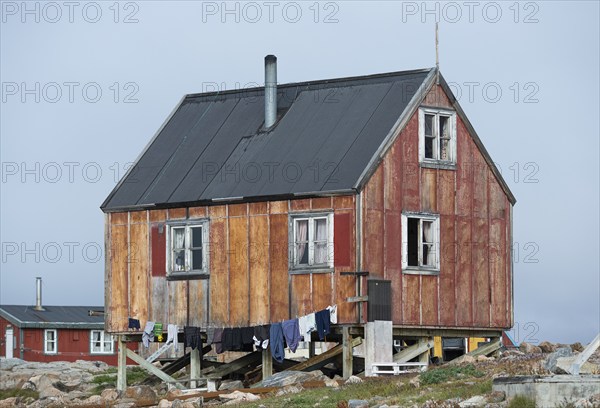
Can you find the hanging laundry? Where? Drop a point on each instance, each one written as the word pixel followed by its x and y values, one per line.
pixel 227 340
pixel 192 337
pixel 148 334
pixel 323 323
pixel 218 340
pixel 133 324
pixel 172 336
pixel 276 341
pixel 236 339
pixel 158 331
pixel 332 314
pixel 261 336
pixel 306 324
pixel 291 332
pixel 210 334
pixel 247 340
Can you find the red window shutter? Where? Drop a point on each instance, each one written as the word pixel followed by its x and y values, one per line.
pixel 159 249
pixel 342 240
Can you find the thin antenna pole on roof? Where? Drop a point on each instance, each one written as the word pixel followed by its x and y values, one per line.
pixel 437 55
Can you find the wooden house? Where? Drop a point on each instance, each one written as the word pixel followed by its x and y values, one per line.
pixel 372 193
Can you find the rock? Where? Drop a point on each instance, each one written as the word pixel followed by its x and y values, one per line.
pixel 481 359
pixel 353 380
pixel 331 383
pixel 476 401
pixel 230 385
pixel 9 402
pixel 164 403
pixel 8 364
pixel 109 394
pixel 529 348
pixel 496 396
pixel 353 403
pixel 237 397
pixel 289 389
pixel 142 394
pixel 577 347
pixel 284 378
pixel 28 386
pixel 563 366
pixel 547 347
pixel 551 360
pixel 177 404
pixel 125 404
pixel 193 403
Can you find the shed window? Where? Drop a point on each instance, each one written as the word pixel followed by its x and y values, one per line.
pixel 187 247
pixel 437 135
pixel 420 242
pixel 312 237
pixel 50 341
pixel 101 342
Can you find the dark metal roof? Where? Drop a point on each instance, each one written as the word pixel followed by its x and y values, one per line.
pixel 53 317
pixel 213 147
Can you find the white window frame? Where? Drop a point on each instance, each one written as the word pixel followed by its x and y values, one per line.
pixel 421 269
pixel 310 217
pixel 47 341
pixel 188 225
pixel 451 115
pixel 103 339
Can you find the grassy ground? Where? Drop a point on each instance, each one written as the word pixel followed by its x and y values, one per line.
pixel 437 384
pixel 108 379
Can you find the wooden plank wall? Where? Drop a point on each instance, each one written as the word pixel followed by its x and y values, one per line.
pixel 249 280
pixel 474 286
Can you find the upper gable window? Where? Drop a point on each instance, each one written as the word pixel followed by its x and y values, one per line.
pixel 187 248
pixel 437 135
pixel 312 237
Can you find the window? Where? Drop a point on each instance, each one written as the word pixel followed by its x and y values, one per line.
pixel 437 135
pixel 50 341
pixel 420 243
pixel 312 237
pixel 187 246
pixel 101 342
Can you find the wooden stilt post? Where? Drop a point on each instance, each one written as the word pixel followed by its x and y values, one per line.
pixel 424 357
pixel 267 364
pixel 122 365
pixel 195 366
pixel 311 349
pixel 347 352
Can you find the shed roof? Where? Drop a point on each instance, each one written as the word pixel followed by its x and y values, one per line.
pixel 329 136
pixel 53 317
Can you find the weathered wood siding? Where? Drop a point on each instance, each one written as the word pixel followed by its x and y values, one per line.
pixel 249 279
pixel 473 288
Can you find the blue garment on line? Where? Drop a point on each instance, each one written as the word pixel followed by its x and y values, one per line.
pixel 276 342
pixel 322 319
pixel 291 332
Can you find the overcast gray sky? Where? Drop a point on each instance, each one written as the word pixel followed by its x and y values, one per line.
pixel 86 84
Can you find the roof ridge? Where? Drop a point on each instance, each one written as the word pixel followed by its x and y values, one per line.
pixel 309 83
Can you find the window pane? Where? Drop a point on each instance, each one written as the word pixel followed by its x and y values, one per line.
pixel 429 147
pixel 50 335
pixel 178 238
pixel 413 241
pixel 301 242
pixel 321 253
pixel 444 138
pixel 428 255
pixel 197 237
pixel 321 229
pixel 179 260
pixel 197 259
pixel 429 125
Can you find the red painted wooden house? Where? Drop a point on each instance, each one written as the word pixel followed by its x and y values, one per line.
pixel 372 193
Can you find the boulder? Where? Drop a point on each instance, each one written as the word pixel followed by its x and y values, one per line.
pixel 231 385
pixel 496 396
pixel 547 347
pixel 464 359
pixel 355 403
pixel 109 394
pixel 551 360
pixel 577 347
pixel 528 348
pixel 331 383
pixel 284 378
pixel 563 366
pixel 8 402
pixel 164 403
pixel 237 397
pixel 353 380
pixel 142 394
pixel 289 389
pixel 476 401
pixel 415 381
